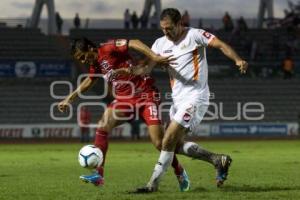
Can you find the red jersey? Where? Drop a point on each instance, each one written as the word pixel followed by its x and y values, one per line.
pixel 114 55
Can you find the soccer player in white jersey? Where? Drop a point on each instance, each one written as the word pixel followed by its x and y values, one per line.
pixel 190 92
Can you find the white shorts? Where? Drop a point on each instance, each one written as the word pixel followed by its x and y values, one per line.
pixel 189 115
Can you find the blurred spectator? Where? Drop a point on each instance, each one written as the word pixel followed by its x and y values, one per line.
pixel 288 67
pixel 237 33
pixel 200 23
pixel 135 130
pixel 59 22
pixel 289 21
pixel 85 120
pixel 185 19
pixel 291 45
pixel 87 23
pixel 144 21
pixel 211 29
pixel 275 44
pixel 77 21
pixel 153 20
pixel 127 19
pixel 134 20
pixel 291 5
pixel 253 50
pixel 227 22
pixel 292 17
pixel 241 24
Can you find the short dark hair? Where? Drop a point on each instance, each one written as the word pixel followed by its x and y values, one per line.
pixel 172 13
pixel 81 44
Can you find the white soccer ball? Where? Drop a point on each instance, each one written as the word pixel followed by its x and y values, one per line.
pixel 90 156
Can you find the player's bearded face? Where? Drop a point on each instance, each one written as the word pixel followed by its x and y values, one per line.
pixel 170 29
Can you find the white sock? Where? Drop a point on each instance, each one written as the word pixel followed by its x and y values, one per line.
pixel 164 161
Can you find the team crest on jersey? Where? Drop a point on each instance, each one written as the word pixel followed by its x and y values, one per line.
pixel 183 46
pixel 168 51
pixel 121 42
pixel 206 34
pixel 187 117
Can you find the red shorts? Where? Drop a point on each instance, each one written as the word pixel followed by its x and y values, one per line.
pixel 145 107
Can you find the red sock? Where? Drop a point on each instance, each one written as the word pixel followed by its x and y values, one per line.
pixel 178 169
pixel 101 141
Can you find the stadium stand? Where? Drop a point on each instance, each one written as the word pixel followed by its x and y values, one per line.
pixel 29 100
pixel 29 43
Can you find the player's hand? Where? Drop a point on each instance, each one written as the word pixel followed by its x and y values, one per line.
pixel 169 60
pixel 63 105
pixel 242 65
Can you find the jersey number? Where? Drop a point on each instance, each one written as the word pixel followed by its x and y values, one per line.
pixel 153 111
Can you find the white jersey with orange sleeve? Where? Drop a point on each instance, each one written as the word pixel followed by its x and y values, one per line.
pixel 188 76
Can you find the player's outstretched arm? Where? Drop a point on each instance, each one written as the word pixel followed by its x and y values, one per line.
pixel 137 70
pixel 144 49
pixel 84 86
pixel 230 53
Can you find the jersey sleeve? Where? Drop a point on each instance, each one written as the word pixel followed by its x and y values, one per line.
pixel 120 46
pixel 155 48
pixel 203 37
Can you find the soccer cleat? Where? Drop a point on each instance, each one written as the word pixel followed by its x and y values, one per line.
pixel 94 178
pixel 222 166
pixel 184 182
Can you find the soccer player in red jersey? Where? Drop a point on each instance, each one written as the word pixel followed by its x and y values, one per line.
pixel 134 94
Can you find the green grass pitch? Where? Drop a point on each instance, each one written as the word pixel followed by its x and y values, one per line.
pixel 260 170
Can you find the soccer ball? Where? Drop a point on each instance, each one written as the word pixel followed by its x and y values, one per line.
pixel 90 156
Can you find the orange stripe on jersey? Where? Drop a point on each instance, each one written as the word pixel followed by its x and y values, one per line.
pixel 172 81
pixel 196 64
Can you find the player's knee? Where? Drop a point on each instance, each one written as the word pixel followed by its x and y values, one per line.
pixel 158 144
pixel 168 144
pixel 105 125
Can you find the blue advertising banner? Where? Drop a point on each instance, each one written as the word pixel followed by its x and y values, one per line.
pixel 250 130
pixel 40 68
pixel 7 69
